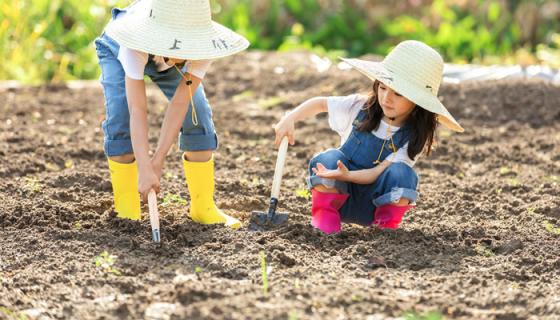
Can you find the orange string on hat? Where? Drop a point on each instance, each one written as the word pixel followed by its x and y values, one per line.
pixel 188 82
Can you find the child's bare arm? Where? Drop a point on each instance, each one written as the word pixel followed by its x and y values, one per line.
pixel 137 107
pixel 365 176
pixel 308 109
pixel 174 117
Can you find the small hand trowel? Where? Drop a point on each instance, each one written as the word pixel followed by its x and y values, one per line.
pixel 263 220
pixel 154 216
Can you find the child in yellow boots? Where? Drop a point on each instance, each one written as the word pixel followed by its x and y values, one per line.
pixel 173 42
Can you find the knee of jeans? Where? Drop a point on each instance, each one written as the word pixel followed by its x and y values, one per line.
pixel 401 175
pixel 328 159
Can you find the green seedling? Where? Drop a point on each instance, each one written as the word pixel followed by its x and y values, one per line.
pixel 504 171
pixel 551 228
pixel 106 262
pixel 482 250
pixel 270 102
pixel 51 166
pixel 531 210
pixel 499 190
pixel 460 175
pixel 173 199
pixel 12 314
pixel 293 315
pixel 303 193
pixel 552 178
pixel 170 175
pixel 243 95
pixel 264 274
pixel 296 283
pixel 432 315
pixel 32 185
pixel 77 225
pixel 198 272
pixel 514 182
pixel 357 298
pixel 68 164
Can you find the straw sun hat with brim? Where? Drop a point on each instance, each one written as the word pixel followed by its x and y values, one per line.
pixel 181 29
pixel 414 70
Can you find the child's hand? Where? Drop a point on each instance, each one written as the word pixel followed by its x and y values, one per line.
pixel 341 173
pixel 147 180
pixel 284 127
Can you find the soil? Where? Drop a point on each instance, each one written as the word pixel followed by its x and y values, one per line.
pixel 482 243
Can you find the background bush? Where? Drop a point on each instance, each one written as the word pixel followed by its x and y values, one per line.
pixel 52 40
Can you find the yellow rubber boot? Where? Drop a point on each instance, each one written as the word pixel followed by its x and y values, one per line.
pixel 200 181
pixel 124 178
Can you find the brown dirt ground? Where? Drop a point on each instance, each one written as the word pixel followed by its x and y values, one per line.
pixel 483 242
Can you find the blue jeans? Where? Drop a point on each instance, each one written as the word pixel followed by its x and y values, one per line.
pixel 397 181
pixel 116 127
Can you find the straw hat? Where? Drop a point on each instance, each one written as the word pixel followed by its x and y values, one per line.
pixel 181 29
pixel 414 70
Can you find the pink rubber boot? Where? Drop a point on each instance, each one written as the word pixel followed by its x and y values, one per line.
pixel 389 216
pixel 324 210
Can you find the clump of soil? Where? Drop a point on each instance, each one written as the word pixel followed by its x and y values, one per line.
pixel 482 243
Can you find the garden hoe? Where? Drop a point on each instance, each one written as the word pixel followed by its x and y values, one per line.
pixel 154 215
pixel 262 220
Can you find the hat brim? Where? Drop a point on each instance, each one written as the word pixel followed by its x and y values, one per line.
pixel 422 97
pixel 212 41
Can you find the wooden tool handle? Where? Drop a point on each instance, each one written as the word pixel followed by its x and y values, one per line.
pixel 282 150
pixel 154 215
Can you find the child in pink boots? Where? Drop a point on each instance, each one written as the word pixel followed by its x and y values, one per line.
pixel 369 179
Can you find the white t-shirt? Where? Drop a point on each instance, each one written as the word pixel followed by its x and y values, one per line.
pixel 134 62
pixel 342 112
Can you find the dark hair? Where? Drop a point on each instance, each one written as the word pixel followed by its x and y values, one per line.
pixel 421 122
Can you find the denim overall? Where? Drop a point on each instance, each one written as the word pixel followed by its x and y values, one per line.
pixel 360 151
pixel 116 127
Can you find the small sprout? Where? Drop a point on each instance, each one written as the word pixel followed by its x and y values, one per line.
pixel 243 95
pixel 12 314
pixel 551 228
pixel 169 175
pixel 32 185
pixel 198 272
pixel 51 166
pixel 461 175
pixel 356 298
pixel 68 164
pixel 514 182
pixel 531 210
pixel 303 193
pixel 499 191
pixel 77 225
pixel 432 315
pixel 173 199
pixel 293 315
pixel 482 250
pixel 296 283
pixel 270 102
pixel 264 273
pixel 552 178
pixel 504 171
pixel 105 262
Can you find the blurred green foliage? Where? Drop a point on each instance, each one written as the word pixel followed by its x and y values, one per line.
pixel 52 40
